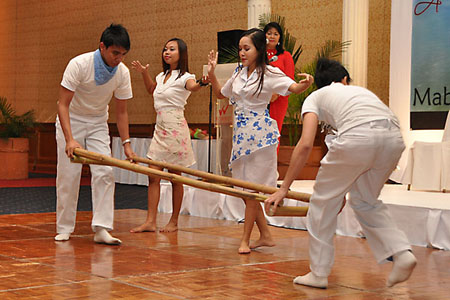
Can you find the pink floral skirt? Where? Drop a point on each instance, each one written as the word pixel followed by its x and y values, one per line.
pixel 171 140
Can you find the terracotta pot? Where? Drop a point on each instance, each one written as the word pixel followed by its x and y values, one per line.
pixel 309 171
pixel 14 158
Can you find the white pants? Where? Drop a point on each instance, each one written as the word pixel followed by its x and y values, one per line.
pixel 359 162
pixel 93 137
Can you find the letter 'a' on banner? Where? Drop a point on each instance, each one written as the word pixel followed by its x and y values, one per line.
pixel 430 64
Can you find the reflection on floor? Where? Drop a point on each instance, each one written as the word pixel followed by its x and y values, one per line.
pixel 200 261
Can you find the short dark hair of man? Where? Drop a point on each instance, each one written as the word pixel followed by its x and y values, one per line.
pixel 328 71
pixel 117 35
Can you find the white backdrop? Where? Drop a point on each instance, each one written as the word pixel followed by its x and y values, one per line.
pixel 400 80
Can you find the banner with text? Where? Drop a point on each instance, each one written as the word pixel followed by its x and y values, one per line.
pixel 430 64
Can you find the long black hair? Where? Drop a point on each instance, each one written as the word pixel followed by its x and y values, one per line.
pixel 277 27
pixel 258 38
pixel 183 57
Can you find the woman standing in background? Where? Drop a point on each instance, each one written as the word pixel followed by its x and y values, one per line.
pixel 281 59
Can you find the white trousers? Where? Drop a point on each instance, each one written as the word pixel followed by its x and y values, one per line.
pixel 92 137
pixel 359 162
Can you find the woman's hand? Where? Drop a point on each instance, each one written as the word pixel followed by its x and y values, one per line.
pixel 138 67
pixel 212 62
pixel 308 79
pixel 205 80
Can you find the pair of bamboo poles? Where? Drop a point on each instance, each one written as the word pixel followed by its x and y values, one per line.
pixel 209 182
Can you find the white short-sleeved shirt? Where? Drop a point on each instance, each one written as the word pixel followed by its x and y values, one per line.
pixel 253 128
pixel 90 101
pixel 173 93
pixel 346 106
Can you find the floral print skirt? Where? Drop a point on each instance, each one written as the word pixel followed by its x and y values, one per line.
pixel 171 140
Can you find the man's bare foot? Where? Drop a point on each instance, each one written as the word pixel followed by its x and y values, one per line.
pixel 146 227
pixel 244 248
pixel 170 227
pixel 262 242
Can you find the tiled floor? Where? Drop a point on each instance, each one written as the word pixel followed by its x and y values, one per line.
pixel 200 261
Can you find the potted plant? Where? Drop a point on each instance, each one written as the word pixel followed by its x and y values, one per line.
pixel 332 50
pixel 14 143
pixel 292 120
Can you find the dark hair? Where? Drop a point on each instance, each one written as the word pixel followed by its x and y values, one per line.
pixel 117 35
pixel 328 71
pixel 276 26
pixel 183 57
pixel 258 38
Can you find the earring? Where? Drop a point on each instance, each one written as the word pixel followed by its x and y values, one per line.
pixel 278 44
pixel 267 41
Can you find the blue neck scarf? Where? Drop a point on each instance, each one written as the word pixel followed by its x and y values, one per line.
pixel 103 72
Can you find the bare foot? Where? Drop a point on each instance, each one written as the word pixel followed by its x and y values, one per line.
pixel 244 248
pixel 170 227
pixel 262 242
pixel 146 227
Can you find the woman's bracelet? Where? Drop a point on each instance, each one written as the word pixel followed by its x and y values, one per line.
pixel 126 141
pixel 200 82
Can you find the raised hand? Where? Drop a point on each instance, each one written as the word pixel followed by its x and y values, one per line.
pixel 138 67
pixel 212 61
pixel 308 78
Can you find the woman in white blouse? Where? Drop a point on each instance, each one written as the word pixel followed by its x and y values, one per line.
pixel 171 140
pixel 255 134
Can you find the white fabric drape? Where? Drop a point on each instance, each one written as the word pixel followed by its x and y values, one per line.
pixel 425 221
pixel 140 147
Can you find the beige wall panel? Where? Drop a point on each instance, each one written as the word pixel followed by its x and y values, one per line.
pixel 311 22
pixel 7 49
pixel 44 35
pixel 379 48
pixel 209 18
pixel 27 55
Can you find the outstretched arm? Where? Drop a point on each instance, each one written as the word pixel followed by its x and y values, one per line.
pixel 298 160
pixel 302 85
pixel 212 63
pixel 193 86
pixel 149 83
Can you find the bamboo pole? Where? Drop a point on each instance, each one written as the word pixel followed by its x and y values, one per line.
pixel 224 180
pixel 289 211
pixel 87 157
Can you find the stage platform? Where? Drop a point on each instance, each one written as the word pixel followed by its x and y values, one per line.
pixel 423 216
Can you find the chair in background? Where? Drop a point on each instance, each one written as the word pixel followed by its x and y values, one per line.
pixel 428 166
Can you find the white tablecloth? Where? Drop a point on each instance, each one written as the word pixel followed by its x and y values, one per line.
pixel 140 147
pixel 428 166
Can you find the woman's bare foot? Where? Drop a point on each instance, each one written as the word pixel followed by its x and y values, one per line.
pixel 146 227
pixel 262 242
pixel 244 248
pixel 170 227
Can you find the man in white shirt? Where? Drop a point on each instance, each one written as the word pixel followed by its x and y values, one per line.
pixel 89 82
pixel 359 161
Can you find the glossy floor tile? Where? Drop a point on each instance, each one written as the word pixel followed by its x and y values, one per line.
pixel 200 261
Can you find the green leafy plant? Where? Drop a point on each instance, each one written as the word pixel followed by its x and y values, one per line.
pixel 228 55
pixel 332 50
pixel 13 125
pixel 231 54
